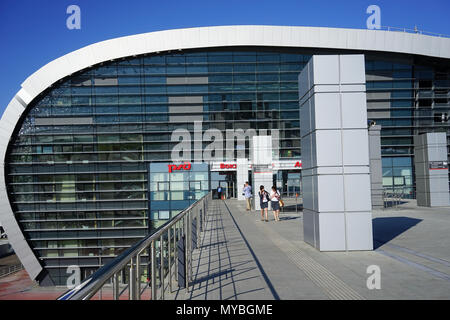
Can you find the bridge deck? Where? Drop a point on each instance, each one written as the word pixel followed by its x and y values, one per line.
pixel 241 257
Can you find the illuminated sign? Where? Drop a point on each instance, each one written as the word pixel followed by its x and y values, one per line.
pixel 185 166
pixel 228 166
pixel 298 164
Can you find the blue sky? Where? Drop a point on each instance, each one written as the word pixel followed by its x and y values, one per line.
pixel 34 32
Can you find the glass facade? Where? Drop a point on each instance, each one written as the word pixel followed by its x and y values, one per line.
pixel 172 192
pixel 406 98
pixel 78 167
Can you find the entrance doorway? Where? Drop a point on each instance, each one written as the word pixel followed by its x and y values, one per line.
pixel 227 181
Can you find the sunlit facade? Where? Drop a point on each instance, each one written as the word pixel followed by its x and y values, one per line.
pixel 77 167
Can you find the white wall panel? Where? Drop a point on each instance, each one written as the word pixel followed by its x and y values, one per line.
pixel 337 181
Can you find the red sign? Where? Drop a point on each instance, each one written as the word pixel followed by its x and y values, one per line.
pixel 298 164
pixel 228 166
pixel 184 166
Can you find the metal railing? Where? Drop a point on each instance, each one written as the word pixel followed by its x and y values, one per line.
pixel 4 271
pixel 297 196
pixel 417 31
pixel 393 197
pixel 153 261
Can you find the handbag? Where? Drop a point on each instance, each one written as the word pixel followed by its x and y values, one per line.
pixel 280 201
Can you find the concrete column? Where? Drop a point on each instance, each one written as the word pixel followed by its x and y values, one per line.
pixel 376 172
pixel 431 164
pixel 335 154
pixel 262 170
pixel 241 176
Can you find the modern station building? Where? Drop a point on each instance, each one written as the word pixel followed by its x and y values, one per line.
pixel 87 142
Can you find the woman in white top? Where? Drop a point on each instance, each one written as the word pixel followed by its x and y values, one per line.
pixel 264 202
pixel 275 198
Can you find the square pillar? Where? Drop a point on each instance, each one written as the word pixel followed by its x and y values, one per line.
pixel 241 176
pixel 376 172
pixel 262 171
pixel 431 164
pixel 335 154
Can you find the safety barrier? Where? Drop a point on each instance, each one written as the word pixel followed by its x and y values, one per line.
pixel 166 253
pixel 4 271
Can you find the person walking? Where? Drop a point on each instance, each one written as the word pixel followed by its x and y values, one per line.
pixel 264 203
pixel 275 201
pixel 219 192
pixel 248 195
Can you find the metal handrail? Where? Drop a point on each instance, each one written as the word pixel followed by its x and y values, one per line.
pixel 4 271
pixel 395 194
pixel 416 31
pixel 88 288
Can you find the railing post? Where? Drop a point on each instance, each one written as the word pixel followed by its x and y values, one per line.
pixel 191 247
pixel 175 249
pixel 204 213
pixel 181 260
pixel 186 250
pixel 206 210
pixel 161 257
pixel 201 215
pixel 153 270
pixel 197 227
pixel 169 257
pixel 138 276
pixel 116 286
pixel 194 233
pixel 132 280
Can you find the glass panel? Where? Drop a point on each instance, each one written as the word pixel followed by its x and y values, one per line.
pixel 164 215
pixel 179 195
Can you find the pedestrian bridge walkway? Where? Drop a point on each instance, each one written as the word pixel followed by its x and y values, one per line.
pixel 241 257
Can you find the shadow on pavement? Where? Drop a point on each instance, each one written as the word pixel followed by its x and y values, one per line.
pixel 291 208
pixel 387 228
pixel 288 218
pixel 392 203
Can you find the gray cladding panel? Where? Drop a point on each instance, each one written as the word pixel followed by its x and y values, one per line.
pixel 185 109
pixel 63 121
pixel 185 99
pixel 187 80
pixel 431 181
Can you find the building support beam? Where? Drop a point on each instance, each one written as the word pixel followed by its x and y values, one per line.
pixel 431 164
pixel 335 154
pixel 262 171
pixel 376 172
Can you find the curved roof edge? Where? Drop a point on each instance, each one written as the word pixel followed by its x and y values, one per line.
pixel 16 238
pixel 191 38
pixel 247 35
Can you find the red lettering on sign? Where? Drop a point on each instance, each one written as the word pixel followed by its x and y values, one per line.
pixel 184 166
pixel 228 166
pixel 298 164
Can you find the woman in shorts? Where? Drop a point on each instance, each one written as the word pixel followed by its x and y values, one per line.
pixel 275 201
pixel 263 202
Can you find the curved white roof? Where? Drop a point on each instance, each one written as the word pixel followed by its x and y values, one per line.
pixel 205 37
pixel 179 39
